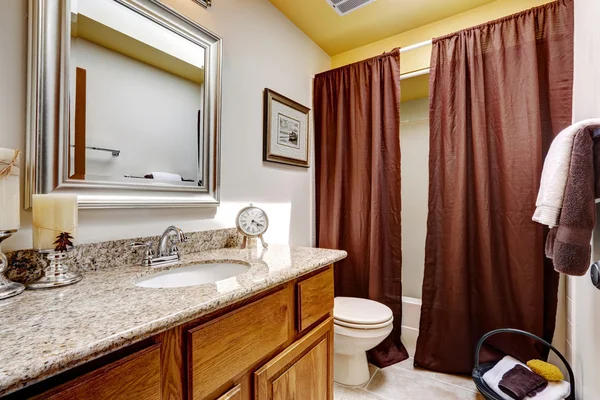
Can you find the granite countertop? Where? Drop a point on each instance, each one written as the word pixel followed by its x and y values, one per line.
pixel 50 331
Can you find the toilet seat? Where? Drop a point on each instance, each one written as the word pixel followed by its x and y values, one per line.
pixel 359 313
pixel 363 333
pixel 363 326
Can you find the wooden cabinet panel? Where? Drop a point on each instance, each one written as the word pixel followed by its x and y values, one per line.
pixel 226 348
pixel 233 394
pixel 302 371
pixel 306 379
pixel 315 298
pixel 172 363
pixel 134 377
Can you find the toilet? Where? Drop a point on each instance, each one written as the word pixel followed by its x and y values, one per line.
pixel 359 325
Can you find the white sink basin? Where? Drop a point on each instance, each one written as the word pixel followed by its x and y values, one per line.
pixel 192 275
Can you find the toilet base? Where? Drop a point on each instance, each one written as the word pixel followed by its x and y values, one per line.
pixel 351 369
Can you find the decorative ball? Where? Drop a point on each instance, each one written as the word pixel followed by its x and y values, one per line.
pixel 546 370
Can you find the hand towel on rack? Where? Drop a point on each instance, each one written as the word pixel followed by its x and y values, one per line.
pixel 571 249
pixel 554 175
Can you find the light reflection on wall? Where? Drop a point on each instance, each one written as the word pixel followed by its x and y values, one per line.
pixel 279 218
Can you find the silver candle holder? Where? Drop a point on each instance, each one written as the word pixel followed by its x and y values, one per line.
pixel 56 274
pixel 8 288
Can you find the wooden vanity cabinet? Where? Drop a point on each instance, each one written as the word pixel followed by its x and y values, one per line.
pixel 277 345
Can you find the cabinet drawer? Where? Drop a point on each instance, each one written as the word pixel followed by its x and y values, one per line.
pixel 134 377
pixel 315 298
pixel 221 350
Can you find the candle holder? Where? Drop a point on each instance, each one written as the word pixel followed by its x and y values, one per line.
pixel 56 274
pixel 8 288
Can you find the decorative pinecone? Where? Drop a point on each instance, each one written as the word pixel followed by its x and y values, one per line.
pixel 63 241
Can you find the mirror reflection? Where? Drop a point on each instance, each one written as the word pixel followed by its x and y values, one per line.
pixel 137 97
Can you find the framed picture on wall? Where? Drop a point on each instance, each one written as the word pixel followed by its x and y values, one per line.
pixel 286 134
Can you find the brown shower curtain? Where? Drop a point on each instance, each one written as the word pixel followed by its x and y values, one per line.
pixel 357 158
pixel 500 92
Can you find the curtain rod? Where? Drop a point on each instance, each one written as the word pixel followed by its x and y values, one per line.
pixel 420 72
pixel 415 46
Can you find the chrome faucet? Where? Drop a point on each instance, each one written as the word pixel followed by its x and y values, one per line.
pixel 168 252
pixel 167 246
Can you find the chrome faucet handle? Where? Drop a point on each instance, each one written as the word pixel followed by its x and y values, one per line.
pixel 173 249
pixel 148 254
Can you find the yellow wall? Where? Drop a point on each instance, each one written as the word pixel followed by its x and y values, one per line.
pixel 419 59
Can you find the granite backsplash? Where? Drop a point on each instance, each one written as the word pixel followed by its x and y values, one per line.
pixel 27 265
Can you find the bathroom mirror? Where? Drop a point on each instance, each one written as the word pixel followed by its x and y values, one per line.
pixel 124 104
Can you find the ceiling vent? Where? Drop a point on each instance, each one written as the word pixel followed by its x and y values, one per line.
pixel 343 7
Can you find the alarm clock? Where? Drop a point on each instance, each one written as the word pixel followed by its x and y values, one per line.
pixel 252 222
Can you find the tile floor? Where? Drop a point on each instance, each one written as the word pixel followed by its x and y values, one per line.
pixel 404 381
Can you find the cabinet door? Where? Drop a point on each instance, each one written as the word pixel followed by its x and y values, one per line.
pixel 233 394
pixel 302 371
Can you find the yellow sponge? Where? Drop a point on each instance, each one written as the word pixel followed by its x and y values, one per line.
pixel 546 370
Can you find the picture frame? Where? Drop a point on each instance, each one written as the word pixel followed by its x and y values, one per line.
pixel 286 133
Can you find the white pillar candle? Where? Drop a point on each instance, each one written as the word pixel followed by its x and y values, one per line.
pixel 10 203
pixel 52 215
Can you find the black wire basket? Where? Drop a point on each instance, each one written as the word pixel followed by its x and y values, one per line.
pixel 481 369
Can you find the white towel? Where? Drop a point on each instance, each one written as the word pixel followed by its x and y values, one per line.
pixel 493 376
pixel 165 176
pixel 554 390
pixel 554 175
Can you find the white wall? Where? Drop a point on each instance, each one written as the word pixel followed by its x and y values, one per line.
pixel 583 300
pixel 261 49
pixel 414 144
pixel 138 109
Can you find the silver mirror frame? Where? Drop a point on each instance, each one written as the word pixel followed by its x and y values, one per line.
pixel 48 114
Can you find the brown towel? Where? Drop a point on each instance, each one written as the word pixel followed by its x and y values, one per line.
pixel 569 245
pixel 519 382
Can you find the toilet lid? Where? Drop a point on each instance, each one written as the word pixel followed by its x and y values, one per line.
pixel 360 311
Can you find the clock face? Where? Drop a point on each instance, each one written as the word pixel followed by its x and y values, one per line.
pixel 252 221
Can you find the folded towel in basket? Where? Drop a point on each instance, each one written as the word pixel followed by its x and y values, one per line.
pixel 493 377
pixel 520 382
pixel 554 390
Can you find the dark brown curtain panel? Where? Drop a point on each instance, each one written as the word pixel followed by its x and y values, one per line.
pixel 357 159
pixel 500 92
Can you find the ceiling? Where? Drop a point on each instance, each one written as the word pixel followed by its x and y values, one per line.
pixel 383 18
